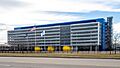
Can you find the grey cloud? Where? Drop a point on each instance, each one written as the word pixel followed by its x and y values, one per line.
pixel 54 12
pixel 2 24
pixel 57 13
pixel 60 13
pixel 11 3
pixel 92 14
pixel 113 4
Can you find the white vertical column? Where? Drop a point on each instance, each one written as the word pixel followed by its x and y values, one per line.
pixel 98 33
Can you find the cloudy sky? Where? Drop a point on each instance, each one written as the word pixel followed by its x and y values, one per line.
pixel 16 13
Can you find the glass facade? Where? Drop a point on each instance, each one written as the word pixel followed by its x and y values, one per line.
pixel 79 34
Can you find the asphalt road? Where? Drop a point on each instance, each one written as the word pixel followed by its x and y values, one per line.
pixel 29 62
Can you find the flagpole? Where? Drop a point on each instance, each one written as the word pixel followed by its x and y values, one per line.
pixel 35 36
pixel 28 42
pixel 44 37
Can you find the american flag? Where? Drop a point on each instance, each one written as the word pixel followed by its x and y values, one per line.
pixel 33 29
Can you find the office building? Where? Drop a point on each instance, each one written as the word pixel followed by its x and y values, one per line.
pixel 94 34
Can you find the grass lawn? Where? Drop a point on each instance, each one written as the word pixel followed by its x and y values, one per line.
pixel 63 55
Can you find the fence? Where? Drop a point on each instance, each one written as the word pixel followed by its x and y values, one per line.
pixel 16 49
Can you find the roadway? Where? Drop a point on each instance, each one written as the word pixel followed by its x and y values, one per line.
pixel 35 62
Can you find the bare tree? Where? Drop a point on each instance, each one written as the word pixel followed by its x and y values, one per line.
pixel 116 39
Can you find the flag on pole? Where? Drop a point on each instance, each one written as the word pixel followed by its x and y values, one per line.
pixel 33 29
pixel 43 33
